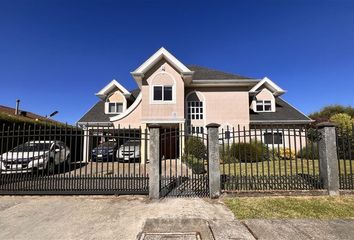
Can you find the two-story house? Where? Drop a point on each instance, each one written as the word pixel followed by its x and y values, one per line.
pixel 189 97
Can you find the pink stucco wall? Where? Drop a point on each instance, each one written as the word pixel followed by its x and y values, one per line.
pixel 163 74
pixel 133 119
pixel 226 106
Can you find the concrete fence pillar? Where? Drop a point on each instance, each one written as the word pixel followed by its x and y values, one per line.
pixel 154 162
pixel 328 158
pixel 214 160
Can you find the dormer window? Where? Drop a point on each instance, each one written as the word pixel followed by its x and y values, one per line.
pixel 115 107
pixel 263 106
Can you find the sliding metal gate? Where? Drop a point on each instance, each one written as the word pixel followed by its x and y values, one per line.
pixel 47 159
pixel 183 164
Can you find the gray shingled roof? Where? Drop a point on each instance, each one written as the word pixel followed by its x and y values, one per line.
pixel 284 113
pixel 135 92
pixel 96 114
pixel 203 73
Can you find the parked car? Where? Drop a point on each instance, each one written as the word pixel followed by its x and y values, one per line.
pixel 129 151
pixel 104 151
pixel 34 155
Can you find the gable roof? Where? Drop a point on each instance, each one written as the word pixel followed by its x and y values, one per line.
pixel 285 113
pixel 109 87
pixel 269 84
pixel 157 56
pixel 204 73
pixel 135 92
pixel 138 73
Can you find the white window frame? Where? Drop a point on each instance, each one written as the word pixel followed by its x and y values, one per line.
pixel 115 107
pixel 195 130
pixel 263 104
pixel 163 92
pixel 191 113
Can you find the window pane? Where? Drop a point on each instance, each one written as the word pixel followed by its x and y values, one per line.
pixel 259 108
pixel 111 107
pixel 278 138
pixel 157 93
pixel 167 93
pixel 227 134
pixel 201 116
pixel 119 107
pixel 267 107
pixel 268 138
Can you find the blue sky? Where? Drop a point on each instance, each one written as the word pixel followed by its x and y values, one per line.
pixel 54 55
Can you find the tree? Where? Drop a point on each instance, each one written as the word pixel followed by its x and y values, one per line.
pixel 344 121
pixel 327 112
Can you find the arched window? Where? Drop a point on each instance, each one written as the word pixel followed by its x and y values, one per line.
pixel 195 107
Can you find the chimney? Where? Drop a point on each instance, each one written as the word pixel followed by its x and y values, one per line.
pixel 17 107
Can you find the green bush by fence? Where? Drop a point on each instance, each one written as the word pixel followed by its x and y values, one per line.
pixel 244 152
pixel 194 154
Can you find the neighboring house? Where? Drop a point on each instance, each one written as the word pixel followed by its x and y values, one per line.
pixel 188 97
pixel 11 115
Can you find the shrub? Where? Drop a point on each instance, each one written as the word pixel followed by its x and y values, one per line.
pixel 194 146
pixel 285 154
pixel 194 154
pixel 250 152
pixel 309 152
pixel 197 165
pixel 227 154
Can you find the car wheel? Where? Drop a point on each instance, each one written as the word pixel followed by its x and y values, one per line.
pixel 50 167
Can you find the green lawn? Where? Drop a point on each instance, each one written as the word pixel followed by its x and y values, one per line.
pixel 280 167
pixel 292 207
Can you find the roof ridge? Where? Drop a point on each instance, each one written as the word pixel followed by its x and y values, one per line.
pixel 204 71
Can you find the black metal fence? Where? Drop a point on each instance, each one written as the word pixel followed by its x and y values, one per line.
pixel 266 158
pixel 71 160
pixel 183 163
pixel 345 153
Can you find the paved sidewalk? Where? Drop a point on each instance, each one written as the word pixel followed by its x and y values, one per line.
pixel 136 217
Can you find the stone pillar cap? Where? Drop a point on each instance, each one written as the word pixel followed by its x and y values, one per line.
pixel 213 125
pixel 326 124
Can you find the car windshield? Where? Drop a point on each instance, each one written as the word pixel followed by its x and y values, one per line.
pixel 32 147
pixel 132 143
pixel 107 144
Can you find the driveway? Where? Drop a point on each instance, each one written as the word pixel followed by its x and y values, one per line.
pixel 137 217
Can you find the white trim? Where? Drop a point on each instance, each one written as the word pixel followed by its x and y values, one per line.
pixel 138 74
pixel 204 107
pixel 128 111
pixel 223 82
pixel 263 105
pixel 157 56
pixel 107 107
pixel 163 121
pixel 152 101
pixel 151 88
pixel 106 90
pixel 270 84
